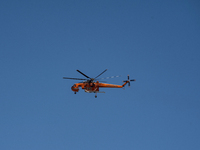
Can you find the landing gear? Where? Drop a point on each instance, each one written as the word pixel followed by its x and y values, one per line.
pixel 96 95
pixel 74 92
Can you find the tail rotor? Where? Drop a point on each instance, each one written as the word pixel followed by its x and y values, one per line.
pixel 128 81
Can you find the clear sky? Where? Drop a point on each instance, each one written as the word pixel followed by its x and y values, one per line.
pixel 155 42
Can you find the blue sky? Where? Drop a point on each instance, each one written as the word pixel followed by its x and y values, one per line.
pixel 155 42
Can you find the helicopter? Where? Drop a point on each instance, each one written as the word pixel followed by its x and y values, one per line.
pixel 92 85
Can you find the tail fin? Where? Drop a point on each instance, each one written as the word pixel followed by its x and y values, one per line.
pixel 128 81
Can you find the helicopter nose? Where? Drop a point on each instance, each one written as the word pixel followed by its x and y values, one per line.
pixel 74 89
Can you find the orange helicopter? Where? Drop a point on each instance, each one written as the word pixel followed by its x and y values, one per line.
pixel 91 85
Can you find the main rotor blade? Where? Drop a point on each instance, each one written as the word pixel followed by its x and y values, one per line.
pixel 74 78
pixel 110 77
pixel 101 73
pixel 83 74
pixel 132 80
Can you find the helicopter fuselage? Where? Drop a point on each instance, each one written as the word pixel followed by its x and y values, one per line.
pixel 93 87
